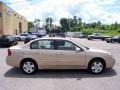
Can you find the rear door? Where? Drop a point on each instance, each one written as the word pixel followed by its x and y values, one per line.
pixel 43 51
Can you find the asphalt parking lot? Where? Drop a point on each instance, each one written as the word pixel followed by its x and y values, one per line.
pixel 13 79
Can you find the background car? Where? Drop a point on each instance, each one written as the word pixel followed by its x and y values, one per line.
pixel 23 36
pixel 113 39
pixel 75 34
pixel 57 34
pixel 29 38
pixel 97 36
pixel 69 34
pixel 8 40
pixel 79 35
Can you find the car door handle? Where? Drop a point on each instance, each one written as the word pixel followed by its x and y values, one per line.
pixel 61 54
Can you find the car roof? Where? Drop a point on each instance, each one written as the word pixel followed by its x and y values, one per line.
pixel 49 38
pixel 53 38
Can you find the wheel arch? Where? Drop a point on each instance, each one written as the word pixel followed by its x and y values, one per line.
pixel 25 59
pixel 97 58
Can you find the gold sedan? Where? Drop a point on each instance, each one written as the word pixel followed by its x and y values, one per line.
pixel 58 53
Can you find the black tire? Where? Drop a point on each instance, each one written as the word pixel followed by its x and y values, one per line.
pixel 18 39
pixel 103 39
pixel 96 69
pixel 108 41
pixel 111 41
pixel 32 66
pixel 90 38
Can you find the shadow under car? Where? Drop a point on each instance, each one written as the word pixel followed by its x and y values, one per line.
pixel 73 73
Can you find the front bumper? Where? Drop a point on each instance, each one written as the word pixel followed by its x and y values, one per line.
pixel 110 61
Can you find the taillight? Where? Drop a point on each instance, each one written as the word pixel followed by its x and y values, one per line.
pixel 9 52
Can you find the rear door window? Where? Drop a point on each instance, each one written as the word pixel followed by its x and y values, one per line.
pixel 42 44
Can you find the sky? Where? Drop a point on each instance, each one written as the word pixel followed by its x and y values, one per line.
pixel 106 11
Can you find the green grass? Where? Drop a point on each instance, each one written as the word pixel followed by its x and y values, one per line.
pixel 111 33
pixel 103 32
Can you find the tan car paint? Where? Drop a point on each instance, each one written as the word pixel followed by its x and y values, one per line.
pixel 58 59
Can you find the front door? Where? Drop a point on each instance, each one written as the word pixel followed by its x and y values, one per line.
pixel 68 57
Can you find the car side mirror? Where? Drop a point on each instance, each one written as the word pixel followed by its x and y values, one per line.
pixel 78 49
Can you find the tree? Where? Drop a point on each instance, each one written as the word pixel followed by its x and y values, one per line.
pixel 49 22
pixel 79 21
pixel 64 24
pixel 75 21
pixel 98 25
pixel 36 20
pixel 30 25
pixel 115 26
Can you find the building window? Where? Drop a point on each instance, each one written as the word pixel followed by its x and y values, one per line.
pixel 0 14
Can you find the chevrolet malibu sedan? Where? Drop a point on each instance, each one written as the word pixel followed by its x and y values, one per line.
pixel 58 53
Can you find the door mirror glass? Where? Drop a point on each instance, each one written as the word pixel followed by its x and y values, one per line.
pixel 78 49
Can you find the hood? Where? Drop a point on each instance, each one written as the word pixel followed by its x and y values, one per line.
pixel 99 51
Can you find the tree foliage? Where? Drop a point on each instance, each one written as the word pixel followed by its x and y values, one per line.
pixel 76 24
pixel 48 25
pixel 30 25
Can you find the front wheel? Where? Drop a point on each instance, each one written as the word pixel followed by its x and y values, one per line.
pixel 96 66
pixel 29 67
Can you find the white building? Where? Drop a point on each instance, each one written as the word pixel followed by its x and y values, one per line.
pixel 38 28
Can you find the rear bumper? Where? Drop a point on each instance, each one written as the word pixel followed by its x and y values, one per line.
pixel 5 43
pixel 12 61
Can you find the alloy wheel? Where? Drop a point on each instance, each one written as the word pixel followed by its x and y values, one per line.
pixel 28 67
pixel 96 67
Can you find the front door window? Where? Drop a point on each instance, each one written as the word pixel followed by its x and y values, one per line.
pixel 66 45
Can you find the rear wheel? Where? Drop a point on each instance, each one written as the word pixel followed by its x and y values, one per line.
pixel 96 66
pixel 112 41
pixel 90 38
pixel 29 66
